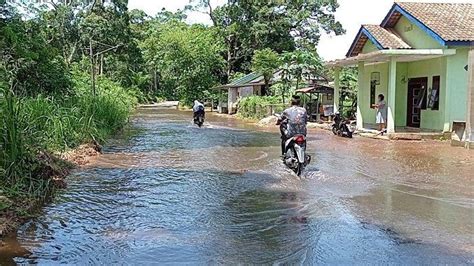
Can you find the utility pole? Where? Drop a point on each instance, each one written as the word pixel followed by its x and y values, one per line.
pixel 91 54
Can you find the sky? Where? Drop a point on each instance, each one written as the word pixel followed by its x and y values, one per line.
pixel 351 14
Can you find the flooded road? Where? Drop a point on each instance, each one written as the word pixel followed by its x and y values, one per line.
pixel 168 192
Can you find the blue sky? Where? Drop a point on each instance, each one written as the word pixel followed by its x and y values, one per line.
pixel 352 13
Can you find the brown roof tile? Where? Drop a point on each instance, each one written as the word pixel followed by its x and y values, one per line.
pixel 451 21
pixel 386 37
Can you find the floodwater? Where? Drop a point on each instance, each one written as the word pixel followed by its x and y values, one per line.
pixel 167 192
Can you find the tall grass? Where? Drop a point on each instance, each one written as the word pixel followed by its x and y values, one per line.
pixel 30 126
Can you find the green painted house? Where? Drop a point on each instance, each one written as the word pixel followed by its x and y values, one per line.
pixel 420 58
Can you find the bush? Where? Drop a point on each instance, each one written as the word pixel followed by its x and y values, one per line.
pixel 30 126
pixel 258 107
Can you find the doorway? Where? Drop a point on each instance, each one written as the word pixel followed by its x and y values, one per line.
pixel 416 100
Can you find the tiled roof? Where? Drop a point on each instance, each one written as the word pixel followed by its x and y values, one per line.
pixel 386 37
pixel 451 21
pixel 382 38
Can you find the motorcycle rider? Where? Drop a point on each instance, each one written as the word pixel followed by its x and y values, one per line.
pixel 198 109
pixel 292 122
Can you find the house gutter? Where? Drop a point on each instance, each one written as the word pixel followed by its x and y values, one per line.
pixel 384 55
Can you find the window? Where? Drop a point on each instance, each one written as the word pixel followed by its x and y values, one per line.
pixel 372 92
pixel 434 95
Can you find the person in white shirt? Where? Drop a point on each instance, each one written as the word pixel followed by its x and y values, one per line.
pixel 381 117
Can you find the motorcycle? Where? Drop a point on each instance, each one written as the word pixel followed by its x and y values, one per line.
pixel 295 156
pixel 342 127
pixel 199 119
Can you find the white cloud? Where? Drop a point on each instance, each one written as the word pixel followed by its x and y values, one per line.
pixel 151 7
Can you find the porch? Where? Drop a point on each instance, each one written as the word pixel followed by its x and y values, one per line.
pixel 414 85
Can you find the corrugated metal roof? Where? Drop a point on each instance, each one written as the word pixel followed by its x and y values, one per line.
pixel 244 80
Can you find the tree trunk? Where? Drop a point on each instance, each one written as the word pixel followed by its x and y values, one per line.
pixel 155 81
pixel 229 59
pixel 283 94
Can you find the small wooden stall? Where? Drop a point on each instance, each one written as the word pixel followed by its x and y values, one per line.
pixel 319 101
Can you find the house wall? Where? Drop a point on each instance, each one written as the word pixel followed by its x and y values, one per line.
pixel 257 90
pixel 401 95
pixel 369 46
pixel 327 99
pixel 415 36
pixel 245 91
pixel 232 100
pixel 430 119
pixel 457 86
pixel 368 113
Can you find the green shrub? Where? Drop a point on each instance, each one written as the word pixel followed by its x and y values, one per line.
pixel 258 107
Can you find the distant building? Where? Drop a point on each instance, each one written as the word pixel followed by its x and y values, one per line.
pixel 245 86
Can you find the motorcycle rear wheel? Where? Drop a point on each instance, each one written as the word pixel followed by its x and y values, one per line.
pixel 299 169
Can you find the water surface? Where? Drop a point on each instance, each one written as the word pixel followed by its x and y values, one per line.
pixel 169 192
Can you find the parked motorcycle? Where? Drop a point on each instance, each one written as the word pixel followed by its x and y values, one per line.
pixel 199 119
pixel 342 127
pixel 295 156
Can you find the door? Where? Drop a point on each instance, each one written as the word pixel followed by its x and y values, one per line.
pixel 416 100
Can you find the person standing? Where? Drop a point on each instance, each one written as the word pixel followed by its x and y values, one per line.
pixel 381 117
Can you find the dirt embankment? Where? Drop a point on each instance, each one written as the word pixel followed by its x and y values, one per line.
pixel 16 210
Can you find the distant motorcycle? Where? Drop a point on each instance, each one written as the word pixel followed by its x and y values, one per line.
pixel 342 127
pixel 199 119
pixel 295 156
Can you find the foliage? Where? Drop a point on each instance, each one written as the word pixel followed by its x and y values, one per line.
pixel 258 107
pixel 247 26
pixel 185 58
pixel 349 86
pixel 46 104
pixel 301 65
pixel 265 62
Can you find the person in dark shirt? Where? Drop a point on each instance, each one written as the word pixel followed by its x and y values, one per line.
pixel 292 122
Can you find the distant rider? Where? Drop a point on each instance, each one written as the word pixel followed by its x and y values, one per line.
pixel 292 122
pixel 198 109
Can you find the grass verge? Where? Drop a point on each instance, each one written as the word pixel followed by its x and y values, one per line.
pixel 36 131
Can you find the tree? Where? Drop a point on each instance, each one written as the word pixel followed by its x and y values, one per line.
pixel 187 59
pixel 349 86
pixel 265 62
pixel 247 26
pixel 301 65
